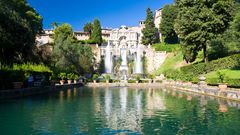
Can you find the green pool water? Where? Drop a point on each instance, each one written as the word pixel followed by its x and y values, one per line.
pixel 120 110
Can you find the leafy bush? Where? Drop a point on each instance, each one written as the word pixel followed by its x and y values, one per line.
pixel 76 77
pixel 95 77
pixel 192 72
pixel 235 83
pixel 27 67
pixel 70 76
pixel 221 77
pixel 131 81
pixel 223 63
pixel 151 76
pixel 21 72
pixel 107 77
pixel 138 78
pixel 62 76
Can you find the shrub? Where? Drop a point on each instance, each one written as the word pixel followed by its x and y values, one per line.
pixel 107 77
pixel 62 76
pixel 138 78
pixel 235 83
pixel 70 76
pixel 95 77
pixel 21 72
pixel 223 63
pixel 76 77
pixel 221 76
pixel 192 72
pixel 131 81
pixel 151 76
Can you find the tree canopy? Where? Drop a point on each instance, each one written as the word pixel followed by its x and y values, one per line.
pixel 19 25
pixel 169 14
pixel 198 22
pixel 96 35
pixel 88 27
pixel 69 54
pixel 227 43
pixel 150 34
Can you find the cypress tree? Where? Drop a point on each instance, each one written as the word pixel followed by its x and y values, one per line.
pixel 150 34
pixel 96 35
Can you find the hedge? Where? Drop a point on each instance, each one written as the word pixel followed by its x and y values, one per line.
pixel 192 72
pixel 20 73
pixel 232 61
pixel 231 82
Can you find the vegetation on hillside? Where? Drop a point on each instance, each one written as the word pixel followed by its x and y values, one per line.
pixel 199 22
pixel 212 32
pixel 171 63
pixel 166 47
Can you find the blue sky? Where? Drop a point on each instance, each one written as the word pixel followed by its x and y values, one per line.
pixel 111 13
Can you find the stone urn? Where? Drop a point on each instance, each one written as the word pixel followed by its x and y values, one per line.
pixel 107 81
pixel 222 108
pixel 189 98
pixel 94 81
pixel 75 81
pixel 150 81
pixel 189 83
pixel 69 81
pixel 62 82
pixel 222 86
pixel 154 80
pixel 202 80
pixel 137 81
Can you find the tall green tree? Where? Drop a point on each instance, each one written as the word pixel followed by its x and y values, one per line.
pixel 96 35
pixel 150 34
pixel 88 27
pixel 229 42
pixel 68 54
pixel 19 25
pixel 169 14
pixel 200 21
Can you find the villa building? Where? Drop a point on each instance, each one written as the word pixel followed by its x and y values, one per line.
pixel 46 36
pixel 123 43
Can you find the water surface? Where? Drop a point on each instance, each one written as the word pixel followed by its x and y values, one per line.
pixel 119 110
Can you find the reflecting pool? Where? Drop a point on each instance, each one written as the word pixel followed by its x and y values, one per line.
pixel 119 110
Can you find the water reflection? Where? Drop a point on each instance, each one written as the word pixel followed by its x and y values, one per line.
pixel 121 110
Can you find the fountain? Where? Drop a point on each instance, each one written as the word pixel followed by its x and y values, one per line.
pixel 123 44
pixel 124 68
pixel 138 63
pixel 108 60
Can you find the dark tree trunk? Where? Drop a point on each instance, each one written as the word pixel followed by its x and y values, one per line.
pixel 205 55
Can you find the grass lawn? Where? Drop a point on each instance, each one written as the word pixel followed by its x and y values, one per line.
pixel 231 74
pixel 166 47
pixel 171 62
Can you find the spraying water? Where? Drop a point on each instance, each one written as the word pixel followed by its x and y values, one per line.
pixel 138 63
pixel 124 67
pixel 108 60
pixel 124 57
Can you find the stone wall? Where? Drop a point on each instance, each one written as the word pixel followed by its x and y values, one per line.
pixel 154 59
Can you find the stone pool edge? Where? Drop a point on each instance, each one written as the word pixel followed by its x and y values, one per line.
pixel 24 92
pixel 228 94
